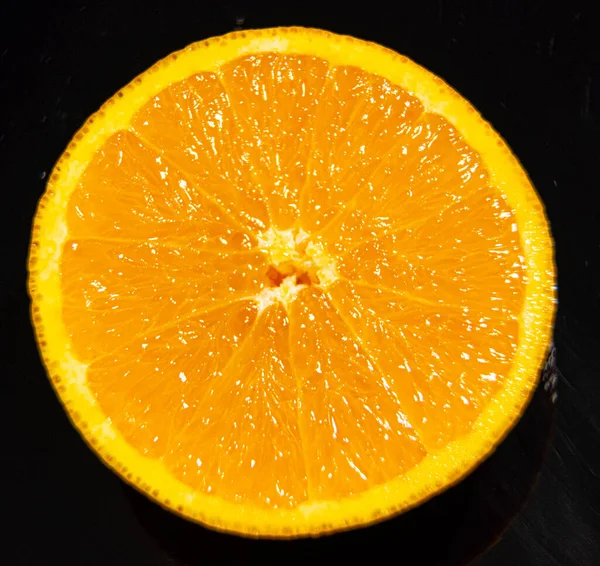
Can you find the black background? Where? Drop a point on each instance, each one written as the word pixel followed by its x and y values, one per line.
pixel 530 67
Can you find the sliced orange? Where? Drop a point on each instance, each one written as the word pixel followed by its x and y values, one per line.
pixel 287 282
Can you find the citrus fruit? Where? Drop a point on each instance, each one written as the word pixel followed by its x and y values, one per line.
pixel 287 282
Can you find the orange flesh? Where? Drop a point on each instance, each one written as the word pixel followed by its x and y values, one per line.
pixel 353 382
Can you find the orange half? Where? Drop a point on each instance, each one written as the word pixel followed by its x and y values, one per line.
pixel 287 282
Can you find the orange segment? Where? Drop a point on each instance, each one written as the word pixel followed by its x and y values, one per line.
pixel 428 169
pixel 191 125
pixel 197 396
pixel 443 363
pixel 129 192
pixel 469 256
pixel 361 117
pixel 274 99
pixel 288 282
pixel 114 292
pixel 356 432
pixel 153 384
pixel 252 443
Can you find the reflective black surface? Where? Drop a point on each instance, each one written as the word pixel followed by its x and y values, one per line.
pixel 533 71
